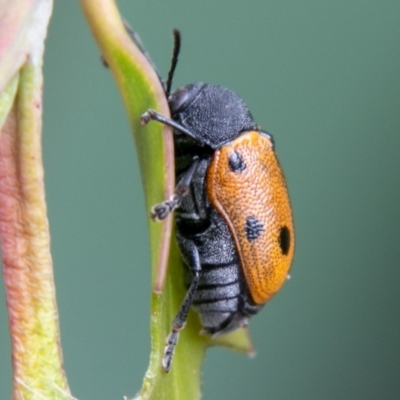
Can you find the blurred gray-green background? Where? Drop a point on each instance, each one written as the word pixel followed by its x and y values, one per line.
pixel 324 78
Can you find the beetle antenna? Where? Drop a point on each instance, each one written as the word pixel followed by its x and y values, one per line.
pixel 174 61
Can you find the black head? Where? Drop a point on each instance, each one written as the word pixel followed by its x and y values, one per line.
pixel 213 114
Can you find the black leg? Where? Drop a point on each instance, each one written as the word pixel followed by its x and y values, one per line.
pixel 180 320
pixel 151 115
pixel 160 211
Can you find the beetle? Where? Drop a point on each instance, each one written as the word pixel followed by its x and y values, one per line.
pixel 234 224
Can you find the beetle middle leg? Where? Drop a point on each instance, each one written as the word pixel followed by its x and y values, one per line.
pixel 160 211
pixel 180 320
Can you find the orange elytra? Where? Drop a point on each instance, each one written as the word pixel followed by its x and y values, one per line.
pixel 255 204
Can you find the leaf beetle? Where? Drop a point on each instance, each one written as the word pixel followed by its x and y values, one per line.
pixel 232 211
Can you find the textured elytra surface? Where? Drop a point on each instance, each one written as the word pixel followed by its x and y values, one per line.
pixel 254 202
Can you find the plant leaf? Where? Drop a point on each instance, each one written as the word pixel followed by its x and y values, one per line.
pixel 27 265
pixel 141 89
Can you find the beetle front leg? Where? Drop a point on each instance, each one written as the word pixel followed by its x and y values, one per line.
pixel 180 320
pixel 160 211
pixel 152 115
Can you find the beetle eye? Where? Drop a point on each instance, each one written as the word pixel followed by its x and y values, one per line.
pixel 183 97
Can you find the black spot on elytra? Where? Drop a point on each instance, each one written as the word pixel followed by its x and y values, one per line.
pixel 236 162
pixel 284 240
pixel 253 228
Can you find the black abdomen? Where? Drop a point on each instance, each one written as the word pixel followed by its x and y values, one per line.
pixel 219 298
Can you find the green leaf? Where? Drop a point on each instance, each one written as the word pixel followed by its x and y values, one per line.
pixel 141 90
pixel 25 240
